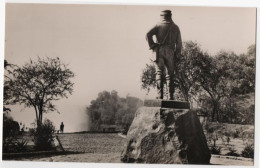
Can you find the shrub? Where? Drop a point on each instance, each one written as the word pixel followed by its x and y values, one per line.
pixel 248 133
pixel 215 150
pixel 248 151
pixel 10 133
pixel 236 134
pixel 10 127
pixel 232 152
pixel 227 133
pixel 43 135
pixel 20 145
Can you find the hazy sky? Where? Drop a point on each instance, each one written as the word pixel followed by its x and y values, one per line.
pixel 105 45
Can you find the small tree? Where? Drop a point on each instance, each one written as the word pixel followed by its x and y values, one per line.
pixel 38 83
pixel 148 77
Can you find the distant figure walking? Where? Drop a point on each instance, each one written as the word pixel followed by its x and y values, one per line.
pixel 61 127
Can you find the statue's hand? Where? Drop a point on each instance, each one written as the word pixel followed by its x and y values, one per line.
pixel 155 46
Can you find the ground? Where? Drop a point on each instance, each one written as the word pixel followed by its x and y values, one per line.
pixel 107 148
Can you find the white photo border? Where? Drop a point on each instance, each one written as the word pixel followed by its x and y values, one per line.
pixel 205 3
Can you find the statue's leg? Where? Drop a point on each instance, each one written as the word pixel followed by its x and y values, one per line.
pixel 170 85
pixel 170 72
pixel 160 71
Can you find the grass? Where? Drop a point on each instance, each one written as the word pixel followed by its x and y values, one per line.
pixel 231 136
pixel 92 143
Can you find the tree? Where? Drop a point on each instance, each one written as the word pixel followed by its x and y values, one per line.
pixel 246 70
pixel 225 77
pixel 38 83
pixel 214 82
pixel 148 77
pixel 187 75
pixel 7 95
pixel 188 67
pixel 110 109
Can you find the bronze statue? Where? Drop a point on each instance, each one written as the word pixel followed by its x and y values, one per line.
pixel 167 47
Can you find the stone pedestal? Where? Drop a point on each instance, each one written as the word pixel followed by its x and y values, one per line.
pixel 166 135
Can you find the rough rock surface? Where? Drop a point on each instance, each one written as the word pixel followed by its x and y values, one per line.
pixel 159 135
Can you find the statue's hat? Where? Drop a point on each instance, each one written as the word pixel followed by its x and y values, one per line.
pixel 166 12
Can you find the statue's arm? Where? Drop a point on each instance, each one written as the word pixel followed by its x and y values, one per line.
pixel 179 42
pixel 149 37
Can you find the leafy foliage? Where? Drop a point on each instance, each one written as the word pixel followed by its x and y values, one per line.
pixel 215 150
pixel 148 77
pixel 43 135
pixel 10 132
pixel 10 127
pixel 38 83
pixel 13 140
pixel 186 77
pixel 248 151
pixel 232 152
pixel 216 83
pixel 110 109
pixel 188 66
pixel 7 90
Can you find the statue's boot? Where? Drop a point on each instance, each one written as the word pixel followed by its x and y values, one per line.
pixel 159 89
pixel 170 85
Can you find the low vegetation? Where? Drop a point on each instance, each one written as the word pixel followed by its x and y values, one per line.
pixel 43 136
pixel 248 151
pixel 229 139
pixel 110 109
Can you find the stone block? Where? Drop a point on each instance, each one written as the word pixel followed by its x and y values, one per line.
pixel 166 104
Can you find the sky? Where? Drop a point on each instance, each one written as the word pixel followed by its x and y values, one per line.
pixel 105 46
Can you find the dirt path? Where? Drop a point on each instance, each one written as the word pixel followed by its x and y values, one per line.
pixel 115 158
pixel 228 162
pixel 86 157
pixel 106 148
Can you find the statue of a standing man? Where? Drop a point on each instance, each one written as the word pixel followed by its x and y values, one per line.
pixel 167 47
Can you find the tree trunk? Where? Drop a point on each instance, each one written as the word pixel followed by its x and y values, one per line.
pixel 38 115
pixel 213 115
pixel 215 111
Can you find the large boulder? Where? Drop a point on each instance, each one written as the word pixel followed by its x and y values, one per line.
pixel 165 135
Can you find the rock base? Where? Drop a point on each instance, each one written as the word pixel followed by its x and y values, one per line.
pixel 166 136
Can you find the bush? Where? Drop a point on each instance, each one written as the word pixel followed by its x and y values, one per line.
pixel 227 133
pixel 21 145
pixel 43 136
pixel 10 127
pixel 14 145
pixel 10 133
pixel 235 134
pixel 232 152
pixel 248 151
pixel 215 150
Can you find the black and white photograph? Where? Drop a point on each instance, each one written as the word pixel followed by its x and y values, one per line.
pixel 129 84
